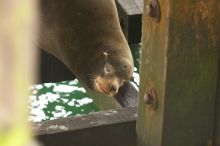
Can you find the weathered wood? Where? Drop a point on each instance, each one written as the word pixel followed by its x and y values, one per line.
pixel 107 128
pixel 130 12
pixel 179 61
pixel 217 114
pixel 17 69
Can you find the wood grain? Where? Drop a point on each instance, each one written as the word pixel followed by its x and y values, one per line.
pixel 130 12
pixel 179 61
pixel 107 128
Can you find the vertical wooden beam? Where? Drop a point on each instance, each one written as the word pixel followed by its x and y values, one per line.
pixel 217 113
pixel 17 69
pixel 179 61
pixel 130 12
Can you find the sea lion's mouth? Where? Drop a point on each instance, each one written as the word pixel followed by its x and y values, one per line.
pixel 100 88
pixel 105 86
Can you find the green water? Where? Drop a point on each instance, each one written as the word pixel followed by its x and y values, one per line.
pixel 68 98
pixel 54 100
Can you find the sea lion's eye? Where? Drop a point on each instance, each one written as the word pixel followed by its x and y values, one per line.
pixel 108 68
pixel 123 67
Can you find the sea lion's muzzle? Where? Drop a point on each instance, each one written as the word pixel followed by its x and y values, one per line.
pixel 107 86
pixel 111 77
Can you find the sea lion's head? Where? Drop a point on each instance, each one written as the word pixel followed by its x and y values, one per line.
pixel 107 73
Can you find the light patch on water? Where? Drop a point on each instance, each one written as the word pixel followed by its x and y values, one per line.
pixel 38 86
pixel 37 115
pixel 135 69
pixel 135 86
pixel 48 97
pixel 69 113
pixel 59 108
pixel 84 101
pixel 136 78
pixel 67 88
pixel 74 82
pixel 77 105
pixel 60 112
pixel 64 100
pixel 55 100
pixel 37 105
pixel 67 95
pixel 48 85
pixel 71 103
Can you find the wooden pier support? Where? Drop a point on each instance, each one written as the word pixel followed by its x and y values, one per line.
pixel 179 74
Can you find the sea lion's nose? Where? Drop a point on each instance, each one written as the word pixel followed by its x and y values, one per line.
pixel 113 88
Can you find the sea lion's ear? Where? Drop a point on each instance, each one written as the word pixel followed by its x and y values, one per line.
pixel 105 55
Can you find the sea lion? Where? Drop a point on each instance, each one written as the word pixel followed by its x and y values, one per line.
pixel 86 36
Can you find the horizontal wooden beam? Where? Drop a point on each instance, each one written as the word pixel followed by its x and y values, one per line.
pixel 107 128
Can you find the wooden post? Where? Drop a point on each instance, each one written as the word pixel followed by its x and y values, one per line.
pixel 17 68
pixel 179 68
pixel 217 113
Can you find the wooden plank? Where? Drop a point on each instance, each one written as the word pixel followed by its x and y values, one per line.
pixel 130 12
pixel 107 128
pixel 179 61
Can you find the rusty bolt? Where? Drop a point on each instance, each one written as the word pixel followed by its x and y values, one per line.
pixel 153 10
pixel 150 99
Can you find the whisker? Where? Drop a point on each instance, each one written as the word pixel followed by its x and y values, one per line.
pixel 91 76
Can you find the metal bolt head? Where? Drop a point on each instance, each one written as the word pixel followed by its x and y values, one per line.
pixel 150 99
pixel 153 10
